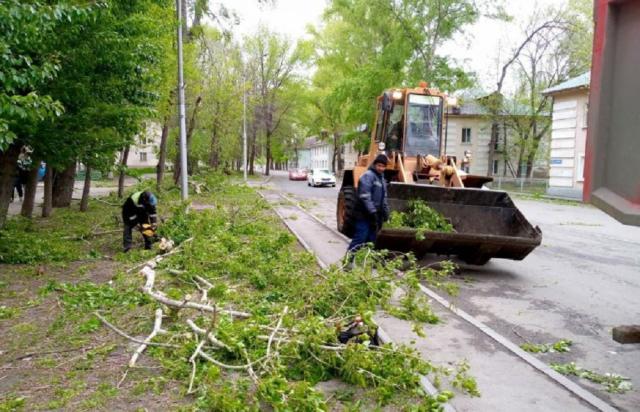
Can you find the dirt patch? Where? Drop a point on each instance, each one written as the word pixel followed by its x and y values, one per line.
pixel 52 358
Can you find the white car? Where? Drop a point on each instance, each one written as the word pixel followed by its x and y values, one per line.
pixel 321 177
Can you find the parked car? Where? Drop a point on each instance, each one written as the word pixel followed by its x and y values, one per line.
pixel 321 177
pixel 298 174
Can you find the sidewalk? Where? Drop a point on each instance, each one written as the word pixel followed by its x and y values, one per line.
pixel 16 205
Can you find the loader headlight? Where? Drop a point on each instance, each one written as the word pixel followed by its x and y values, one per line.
pixel 381 146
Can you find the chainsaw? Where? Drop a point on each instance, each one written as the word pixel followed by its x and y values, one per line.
pixel 148 230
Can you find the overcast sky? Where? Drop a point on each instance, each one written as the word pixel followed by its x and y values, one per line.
pixel 478 50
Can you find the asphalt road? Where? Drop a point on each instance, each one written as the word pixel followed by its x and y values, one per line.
pixel 581 282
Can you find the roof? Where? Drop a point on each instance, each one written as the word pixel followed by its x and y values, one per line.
pixel 312 141
pixel 471 108
pixel 578 82
pixel 477 108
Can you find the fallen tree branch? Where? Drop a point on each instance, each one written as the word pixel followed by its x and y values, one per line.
pixel 198 330
pixel 176 271
pixel 162 298
pixel 225 366
pixel 250 370
pixel 203 281
pixel 299 342
pixel 131 338
pixel 124 376
pixel 192 360
pixel 204 291
pixel 273 334
pixel 153 262
pixel 105 202
pixel 157 328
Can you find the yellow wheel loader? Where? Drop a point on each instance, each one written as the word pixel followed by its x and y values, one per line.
pixel 408 129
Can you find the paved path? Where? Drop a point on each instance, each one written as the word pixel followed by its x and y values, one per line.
pixel 15 206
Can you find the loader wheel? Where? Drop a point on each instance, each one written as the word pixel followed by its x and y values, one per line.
pixel 475 259
pixel 345 214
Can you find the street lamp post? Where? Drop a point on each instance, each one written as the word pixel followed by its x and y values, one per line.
pixel 183 127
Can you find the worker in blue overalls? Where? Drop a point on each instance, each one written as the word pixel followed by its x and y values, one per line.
pixel 371 207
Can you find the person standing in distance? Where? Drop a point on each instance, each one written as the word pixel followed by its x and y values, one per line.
pixel 139 209
pixel 371 208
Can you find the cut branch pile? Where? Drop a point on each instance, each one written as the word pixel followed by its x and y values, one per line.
pixel 249 320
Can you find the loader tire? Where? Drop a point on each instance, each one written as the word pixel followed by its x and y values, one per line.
pixel 478 260
pixel 345 213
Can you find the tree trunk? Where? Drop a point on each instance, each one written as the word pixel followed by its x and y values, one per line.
pixel 520 157
pixel 531 156
pixel 252 151
pixel 63 186
pixel 192 163
pixel 336 161
pixel 214 155
pixel 84 203
pixel 8 162
pixel 47 201
pixel 162 155
pixel 268 150
pixel 177 164
pixel 495 135
pixel 30 190
pixel 123 165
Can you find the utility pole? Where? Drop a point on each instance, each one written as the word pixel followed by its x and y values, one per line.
pixel 244 118
pixel 183 127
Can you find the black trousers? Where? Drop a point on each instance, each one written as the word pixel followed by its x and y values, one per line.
pixel 127 237
pixel 17 187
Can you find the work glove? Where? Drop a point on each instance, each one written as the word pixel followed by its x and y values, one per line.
pixel 373 221
pixel 385 213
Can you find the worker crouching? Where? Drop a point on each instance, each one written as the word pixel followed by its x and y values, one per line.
pixel 139 210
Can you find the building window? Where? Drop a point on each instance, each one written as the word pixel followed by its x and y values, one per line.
pixel 143 156
pixel 580 171
pixel 496 164
pixel 466 135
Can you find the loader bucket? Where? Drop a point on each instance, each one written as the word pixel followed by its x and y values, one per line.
pixel 487 224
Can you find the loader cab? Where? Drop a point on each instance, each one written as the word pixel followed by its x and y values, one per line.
pixel 423 125
pixel 410 124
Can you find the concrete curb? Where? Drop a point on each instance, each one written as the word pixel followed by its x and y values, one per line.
pixel 426 385
pixel 316 218
pixel 292 230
